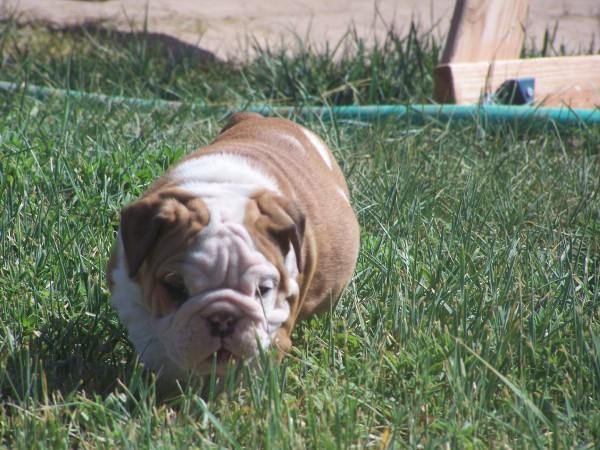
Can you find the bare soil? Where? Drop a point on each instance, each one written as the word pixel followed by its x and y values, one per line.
pixel 228 28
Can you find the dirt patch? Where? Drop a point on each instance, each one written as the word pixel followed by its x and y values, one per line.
pixel 228 29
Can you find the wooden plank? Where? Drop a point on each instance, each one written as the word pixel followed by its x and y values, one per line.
pixel 485 30
pixel 565 80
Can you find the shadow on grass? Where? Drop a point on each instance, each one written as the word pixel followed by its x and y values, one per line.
pixel 96 358
pixel 65 356
pixel 101 32
pixel 174 50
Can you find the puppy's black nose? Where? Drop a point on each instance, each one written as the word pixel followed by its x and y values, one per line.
pixel 221 324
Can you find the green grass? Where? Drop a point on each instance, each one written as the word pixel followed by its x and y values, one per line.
pixel 398 69
pixel 473 318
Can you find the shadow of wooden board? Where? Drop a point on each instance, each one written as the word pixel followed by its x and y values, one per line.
pixel 566 80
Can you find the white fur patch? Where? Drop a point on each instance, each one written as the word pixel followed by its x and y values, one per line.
pixel 319 147
pixel 343 194
pixel 223 169
pixel 224 182
pixel 134 315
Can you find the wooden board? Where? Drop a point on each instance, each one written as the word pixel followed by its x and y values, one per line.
pixel 485 30
pixel 565 80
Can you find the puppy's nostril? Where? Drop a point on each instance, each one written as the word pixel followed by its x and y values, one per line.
pixel 221 324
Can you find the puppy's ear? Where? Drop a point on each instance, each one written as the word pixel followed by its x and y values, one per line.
pixel 140 226
pixel 145 220
pixel 284 223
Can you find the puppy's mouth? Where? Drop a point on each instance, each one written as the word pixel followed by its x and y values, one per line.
pixel 223 356
pixel 221 361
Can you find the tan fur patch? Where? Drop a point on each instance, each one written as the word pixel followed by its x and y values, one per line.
pixel 156 230
pixel 276 223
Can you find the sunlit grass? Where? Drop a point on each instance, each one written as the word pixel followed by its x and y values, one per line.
pixel 472 320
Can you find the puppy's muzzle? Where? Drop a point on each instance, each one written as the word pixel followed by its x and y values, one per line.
pixel 222 324
pixel 222 310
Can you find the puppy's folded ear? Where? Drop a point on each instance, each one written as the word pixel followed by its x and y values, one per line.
pixel 145 220
pixel 140 226
pixel 283 222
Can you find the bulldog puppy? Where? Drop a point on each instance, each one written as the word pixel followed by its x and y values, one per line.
pixel 232 246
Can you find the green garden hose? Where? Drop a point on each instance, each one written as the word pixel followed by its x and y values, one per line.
pixel 486 114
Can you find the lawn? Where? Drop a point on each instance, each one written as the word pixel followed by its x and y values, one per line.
pixel 473 317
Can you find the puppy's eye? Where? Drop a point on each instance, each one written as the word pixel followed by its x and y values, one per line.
pixel 264 289
pixel 175 286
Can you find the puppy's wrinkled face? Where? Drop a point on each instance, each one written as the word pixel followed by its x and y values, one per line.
pixel 220 299
pixel 205 288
